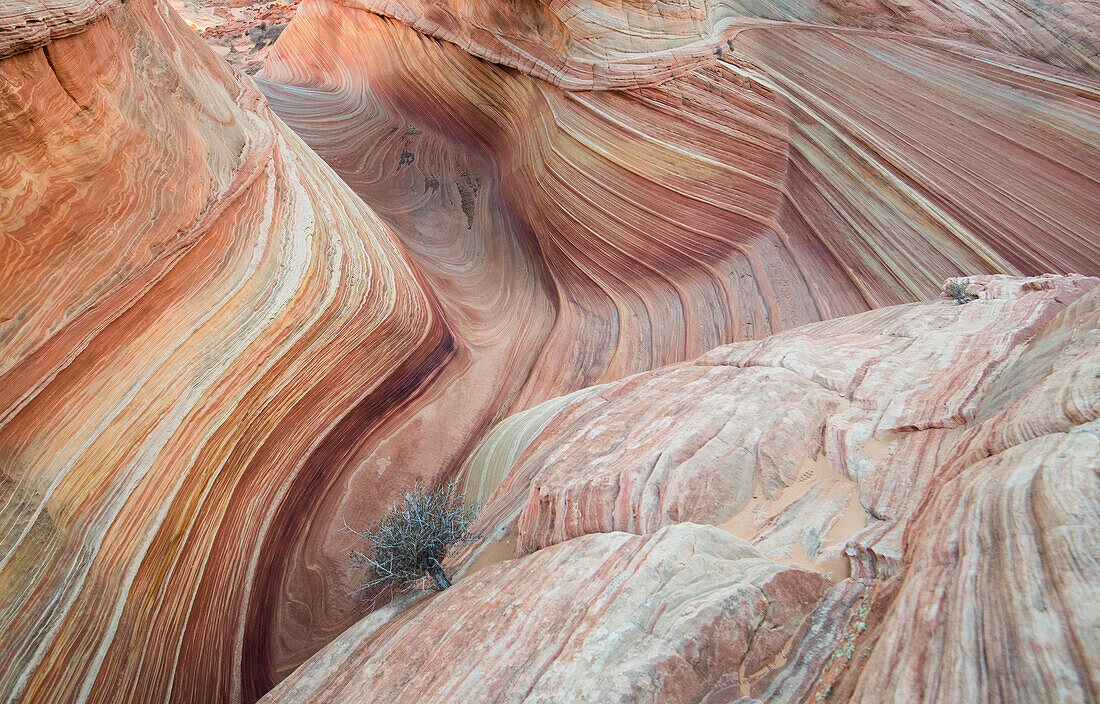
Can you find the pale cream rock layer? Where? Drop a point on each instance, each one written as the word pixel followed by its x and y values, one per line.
pixel 961 438
pixel 600 619
pixel 813 444
pixel 615 44
pixel 601 189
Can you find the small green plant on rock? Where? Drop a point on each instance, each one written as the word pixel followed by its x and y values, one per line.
pixel 410 542
pixel 845 648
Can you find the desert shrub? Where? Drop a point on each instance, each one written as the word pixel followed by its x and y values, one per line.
pixel 413 537
pixel 956 288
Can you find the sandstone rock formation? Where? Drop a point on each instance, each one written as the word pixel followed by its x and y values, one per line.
pixel 603 618
pixel 240 31
pixel 197 321
pixel 212 353
pixel 597 189
pixel 947 455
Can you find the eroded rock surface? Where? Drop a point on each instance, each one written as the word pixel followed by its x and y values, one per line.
pixel 212 353
pixel 677 616
pixel 599 189
pixel 798 441
pixel 240 31
pixel 198 321
pixel 933 465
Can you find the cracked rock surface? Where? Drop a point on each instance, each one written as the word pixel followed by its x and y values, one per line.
pixel 883 507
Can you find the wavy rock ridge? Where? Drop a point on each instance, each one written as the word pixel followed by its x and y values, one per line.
pixel 945 456
pixel 212 353
pixel 198 320
pixel 600 189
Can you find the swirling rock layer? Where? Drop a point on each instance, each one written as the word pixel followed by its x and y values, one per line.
pixel 936 462
pixel 599 189
pixel 212 353
pixel 199 321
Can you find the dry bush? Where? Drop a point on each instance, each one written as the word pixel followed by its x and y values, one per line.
pixel 411 540
pixel 956 288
